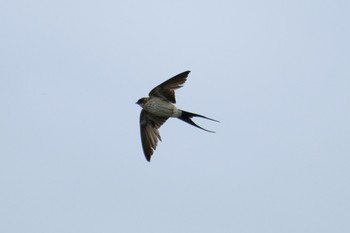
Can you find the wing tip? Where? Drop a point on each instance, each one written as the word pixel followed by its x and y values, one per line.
pixel 148 155
pixel 186 72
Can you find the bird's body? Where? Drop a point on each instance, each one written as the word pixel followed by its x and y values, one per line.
pixel 157 108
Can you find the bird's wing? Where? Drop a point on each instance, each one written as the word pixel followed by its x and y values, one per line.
pixel 149 125
pixel 166 89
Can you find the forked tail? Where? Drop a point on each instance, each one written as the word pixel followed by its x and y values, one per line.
pixel 186 117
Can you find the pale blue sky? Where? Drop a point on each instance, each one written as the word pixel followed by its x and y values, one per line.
pixel 275 73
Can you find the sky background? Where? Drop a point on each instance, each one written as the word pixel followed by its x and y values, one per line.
pixel 276 74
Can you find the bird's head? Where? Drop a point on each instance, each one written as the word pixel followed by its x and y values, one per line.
pixel 142 102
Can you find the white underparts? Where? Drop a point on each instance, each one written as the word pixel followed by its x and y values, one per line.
pixel 159 107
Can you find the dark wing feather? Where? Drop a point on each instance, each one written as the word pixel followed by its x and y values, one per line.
pixel 166 89
pixel 149 125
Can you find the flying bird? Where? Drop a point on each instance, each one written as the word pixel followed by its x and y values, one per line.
pixel 158 107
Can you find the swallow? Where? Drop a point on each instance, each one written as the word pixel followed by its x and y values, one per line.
pixel 158 107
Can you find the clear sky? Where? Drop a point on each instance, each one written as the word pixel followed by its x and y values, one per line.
pixel 275 73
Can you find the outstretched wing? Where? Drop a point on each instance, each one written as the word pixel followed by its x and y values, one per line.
pixel 149 125
pixel 166 89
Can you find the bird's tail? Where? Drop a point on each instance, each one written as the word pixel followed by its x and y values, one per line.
pixel 186 117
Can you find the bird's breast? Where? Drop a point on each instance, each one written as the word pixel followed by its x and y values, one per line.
pixel 159 107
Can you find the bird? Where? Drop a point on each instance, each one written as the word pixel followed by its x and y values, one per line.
pixel 158 107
